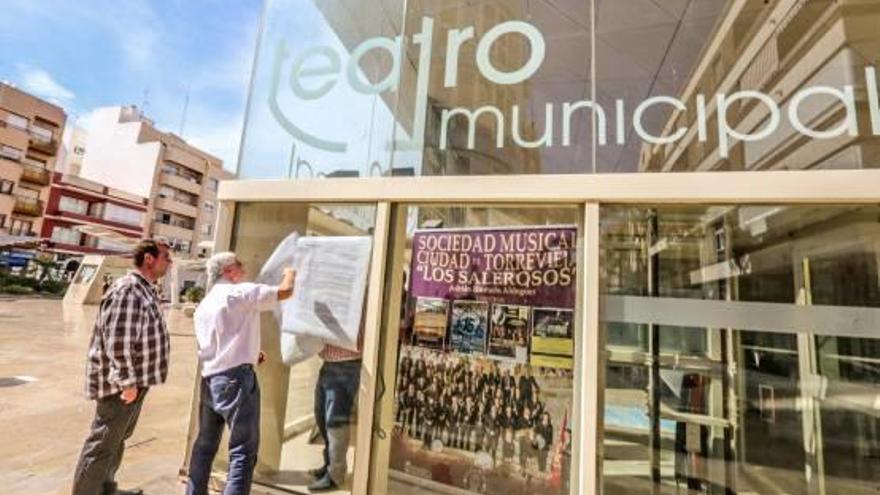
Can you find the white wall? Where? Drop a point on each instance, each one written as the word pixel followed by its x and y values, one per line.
pixel 69 162
pixel 115 158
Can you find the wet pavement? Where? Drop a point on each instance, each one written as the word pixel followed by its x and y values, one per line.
pixel 44 416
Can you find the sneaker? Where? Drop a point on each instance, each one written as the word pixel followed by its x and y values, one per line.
pixel 318 473
pixel 325 484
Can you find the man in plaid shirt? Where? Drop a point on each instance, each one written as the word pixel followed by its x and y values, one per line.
pixel 128 354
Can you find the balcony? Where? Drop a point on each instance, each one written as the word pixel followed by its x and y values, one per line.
pixel 171 231
pixel 42 143
pixel 186 159
pixel 179 207
pixel 35 174
pixel 181 183
pixel 28 206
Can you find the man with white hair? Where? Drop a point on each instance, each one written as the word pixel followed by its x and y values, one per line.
pixel 227 325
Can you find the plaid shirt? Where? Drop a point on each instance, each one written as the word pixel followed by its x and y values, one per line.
pixel 333 354
pixel 130 345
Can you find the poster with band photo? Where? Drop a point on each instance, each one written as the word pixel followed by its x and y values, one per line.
pixel 509 334
pixel 468 327
pixel 429 322
pixel 471 411
pixel 552 338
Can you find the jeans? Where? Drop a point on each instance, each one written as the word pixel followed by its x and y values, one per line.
pixel 335 396
pixel 102 452
pixel 231 397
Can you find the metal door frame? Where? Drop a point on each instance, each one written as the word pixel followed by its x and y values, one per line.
pixel 588 191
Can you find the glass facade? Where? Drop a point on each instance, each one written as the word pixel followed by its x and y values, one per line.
pixel 550 87
pixel 738 358
pixel 122 214
pixel 73 205
pixel 740 349
pixel 739 341
pixel 288 449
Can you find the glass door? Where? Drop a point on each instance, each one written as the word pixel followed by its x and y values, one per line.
pixel 737 350
pixel 741 352
pixel 846 369
pixel 295 399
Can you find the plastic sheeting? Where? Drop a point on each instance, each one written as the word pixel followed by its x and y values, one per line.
pixel 328 298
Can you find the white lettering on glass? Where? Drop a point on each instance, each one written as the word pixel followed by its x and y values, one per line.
pixel 316 71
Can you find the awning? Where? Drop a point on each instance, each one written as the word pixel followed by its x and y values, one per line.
pixel 7 240
pixel 107 235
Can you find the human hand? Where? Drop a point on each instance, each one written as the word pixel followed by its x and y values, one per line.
pixel 285 289
pixel 129 395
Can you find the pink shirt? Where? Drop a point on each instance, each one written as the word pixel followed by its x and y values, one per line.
pixel 227 324
pixel 334 354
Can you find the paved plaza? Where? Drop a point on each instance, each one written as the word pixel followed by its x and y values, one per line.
pixel 44 415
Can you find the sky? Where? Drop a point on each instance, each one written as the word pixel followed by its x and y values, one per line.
pixel 87 54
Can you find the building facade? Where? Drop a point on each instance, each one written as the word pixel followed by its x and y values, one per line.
pixel 73 150
pixel 85 217
pixel 125 151
pixel 716 161
pixel 30 133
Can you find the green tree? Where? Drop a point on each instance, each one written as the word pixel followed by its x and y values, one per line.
pixel 44 265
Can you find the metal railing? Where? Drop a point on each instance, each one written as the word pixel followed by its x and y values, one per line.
pixel 46 144
pixel 28 206
pixel 34 173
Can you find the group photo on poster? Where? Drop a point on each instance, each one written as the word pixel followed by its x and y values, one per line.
pixel 484 391
pixel 487 418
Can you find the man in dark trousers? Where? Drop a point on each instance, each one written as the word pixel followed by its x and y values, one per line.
pixel 128 354
pixel 335 399
pixel 227 328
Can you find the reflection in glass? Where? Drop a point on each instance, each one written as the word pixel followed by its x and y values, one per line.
pixel 313 111
pixel 548 86
pixel 289 444
pixel 755 85
pixel 711 389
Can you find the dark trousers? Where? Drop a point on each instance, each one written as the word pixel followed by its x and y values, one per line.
pixel 427 434
pixel 335 396
pixel 102 452
pixel 543 454
pixel 230 398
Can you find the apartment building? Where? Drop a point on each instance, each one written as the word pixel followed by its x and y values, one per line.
pixel 127 152
pixel 784 52
pixel 85 217
pixel 73 150
pixel 30 132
